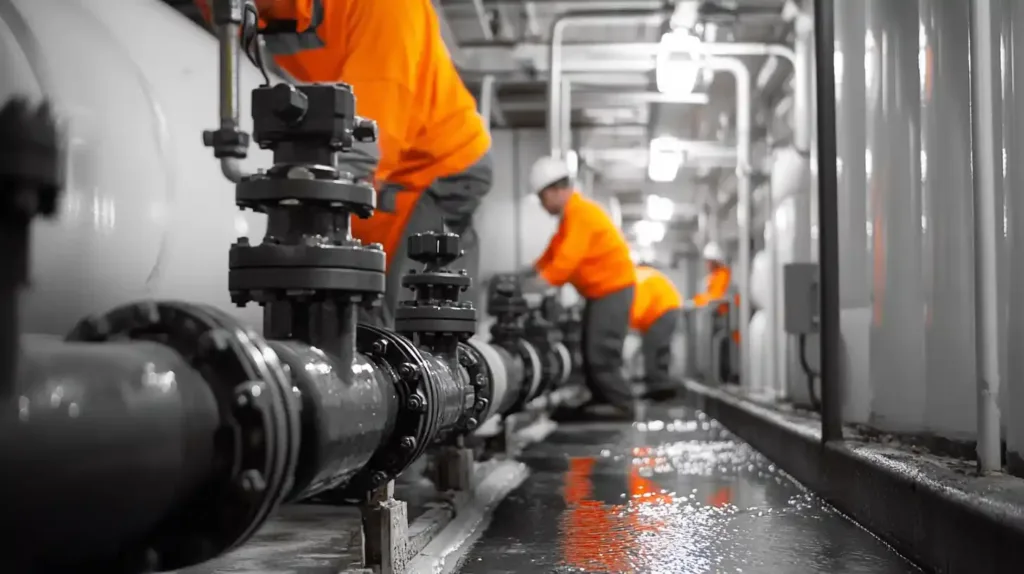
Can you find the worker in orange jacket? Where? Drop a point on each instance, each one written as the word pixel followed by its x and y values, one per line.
pixel 432 159
pixel 589 252
pixel 655 315
pixel 716 284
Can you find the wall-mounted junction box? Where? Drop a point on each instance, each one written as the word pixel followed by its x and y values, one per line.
pixel 802 299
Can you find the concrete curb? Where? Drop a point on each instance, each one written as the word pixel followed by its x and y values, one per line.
pixel 933 512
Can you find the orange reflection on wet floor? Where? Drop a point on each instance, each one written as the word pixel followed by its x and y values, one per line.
pixel 599 537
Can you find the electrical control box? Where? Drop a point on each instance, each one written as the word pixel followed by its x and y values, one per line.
pixel 802 298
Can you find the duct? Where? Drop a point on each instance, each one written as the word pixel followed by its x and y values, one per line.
pixel 986 170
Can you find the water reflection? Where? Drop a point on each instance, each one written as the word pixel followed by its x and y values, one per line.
pixel 687 498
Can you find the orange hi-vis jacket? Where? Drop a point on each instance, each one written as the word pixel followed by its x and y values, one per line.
pixel 655 296
pixel 716 286
pixel 392 54
pixel 587 251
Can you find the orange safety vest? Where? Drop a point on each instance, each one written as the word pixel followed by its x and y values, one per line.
pixel 588 251
pixel 392 54
pixel 655 295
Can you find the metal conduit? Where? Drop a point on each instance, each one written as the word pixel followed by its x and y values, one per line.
pixel 828 220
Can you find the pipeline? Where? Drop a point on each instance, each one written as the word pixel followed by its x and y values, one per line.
pixel 181 430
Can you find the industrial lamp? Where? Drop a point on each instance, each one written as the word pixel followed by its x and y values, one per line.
pixel 649 232
pixel 677 69
pixel 664 159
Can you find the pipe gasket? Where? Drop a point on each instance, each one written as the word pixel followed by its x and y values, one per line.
pixel 259 434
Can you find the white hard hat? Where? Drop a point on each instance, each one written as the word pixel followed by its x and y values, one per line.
pixel 547 170
pixel 712 252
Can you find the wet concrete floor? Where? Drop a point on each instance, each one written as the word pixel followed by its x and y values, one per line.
pixel 675 494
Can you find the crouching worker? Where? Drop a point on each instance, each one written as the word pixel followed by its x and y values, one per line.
pixel 432 160
pixel 589 252
pixel 655 315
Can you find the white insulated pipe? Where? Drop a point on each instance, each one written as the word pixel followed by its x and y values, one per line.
pixel 739 71
pixel 983 82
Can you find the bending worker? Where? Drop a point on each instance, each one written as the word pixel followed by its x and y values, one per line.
pixel 655 315
pixel 589 252
pixel 432 159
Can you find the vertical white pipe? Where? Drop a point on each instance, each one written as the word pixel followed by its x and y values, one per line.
pixel 743 216
pixel 487 100
pixel 983 83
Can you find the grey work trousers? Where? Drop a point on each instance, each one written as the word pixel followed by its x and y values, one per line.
pixel 656 347
pixel 449 202
pixel 605 325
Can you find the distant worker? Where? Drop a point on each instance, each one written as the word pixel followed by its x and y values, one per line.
pixel 589 252
pixel 434 149
pixel 716 284
pixel 655 315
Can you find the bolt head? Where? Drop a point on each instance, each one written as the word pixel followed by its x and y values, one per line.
pixel 251 481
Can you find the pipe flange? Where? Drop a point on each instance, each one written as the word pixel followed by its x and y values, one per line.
pixel 479 377
pixel 259 193
pixel 565 360
pixel 416 425
pixel 532 371
pixel 276 272
pixel 258 441
pixel 549 362
pixel 457 318
pixel 354 256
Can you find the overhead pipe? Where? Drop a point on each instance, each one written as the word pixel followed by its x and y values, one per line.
pixel 708 49
pixel 555 71
pixel 986 222
pixel 828 224
pixel 741 74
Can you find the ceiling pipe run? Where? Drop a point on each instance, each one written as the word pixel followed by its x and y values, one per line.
pixel 555 79
pixel 801 113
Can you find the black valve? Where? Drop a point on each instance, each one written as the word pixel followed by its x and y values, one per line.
pixel 436 308
pixel 505 302
pixel 288 103
pixel 435 250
